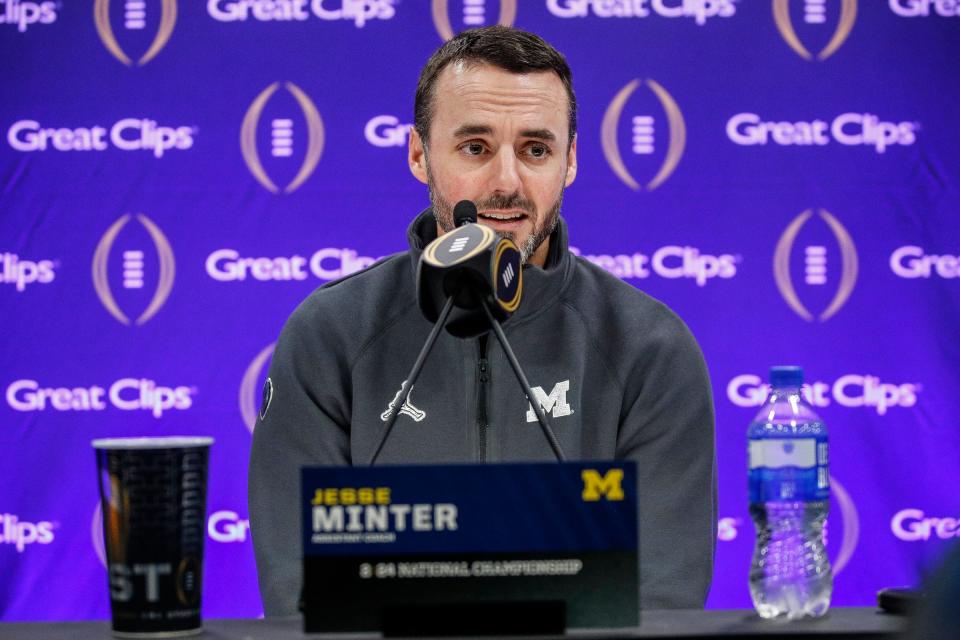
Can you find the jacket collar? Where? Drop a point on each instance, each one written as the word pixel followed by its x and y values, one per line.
pixel 541 287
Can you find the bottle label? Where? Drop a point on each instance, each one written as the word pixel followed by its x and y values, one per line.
pixel 789 469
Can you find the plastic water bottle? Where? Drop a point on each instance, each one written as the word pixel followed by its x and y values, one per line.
pixel 790 575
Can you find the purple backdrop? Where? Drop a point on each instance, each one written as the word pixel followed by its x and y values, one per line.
pixel 176 176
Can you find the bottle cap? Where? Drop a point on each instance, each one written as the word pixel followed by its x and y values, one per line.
pixel 784 376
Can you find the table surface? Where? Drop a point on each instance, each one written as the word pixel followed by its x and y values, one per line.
pixel 847 623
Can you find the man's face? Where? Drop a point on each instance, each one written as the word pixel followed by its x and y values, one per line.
pixel 499 139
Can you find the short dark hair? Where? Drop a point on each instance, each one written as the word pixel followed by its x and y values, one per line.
pixel 510 49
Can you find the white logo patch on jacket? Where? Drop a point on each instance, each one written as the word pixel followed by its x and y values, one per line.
pixel 407 409
pixel 554 404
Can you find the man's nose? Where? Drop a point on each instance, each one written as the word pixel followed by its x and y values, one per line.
pixel 506 177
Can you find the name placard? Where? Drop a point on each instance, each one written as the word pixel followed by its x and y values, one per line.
pixel 382 542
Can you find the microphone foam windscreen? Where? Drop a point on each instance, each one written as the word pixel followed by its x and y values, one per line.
pixel 464 212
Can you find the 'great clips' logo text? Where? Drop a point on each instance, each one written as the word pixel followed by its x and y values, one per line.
pixel 851 129
pixel 359 12
pixel 925 8
pixel 21 273
pixel 21 534
pixel 700 11
pixel 126 134
pixel 125 394
pixel 914 525
pixel 23 14
pixel 852 391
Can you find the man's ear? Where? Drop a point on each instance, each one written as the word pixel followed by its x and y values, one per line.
pixel 417 156
pixel 571 162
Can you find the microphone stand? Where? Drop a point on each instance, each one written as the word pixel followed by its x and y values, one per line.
pixel 511 358
pixel 414 374
pixel 522 379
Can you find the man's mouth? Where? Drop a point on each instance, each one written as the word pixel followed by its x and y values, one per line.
pixel 502 217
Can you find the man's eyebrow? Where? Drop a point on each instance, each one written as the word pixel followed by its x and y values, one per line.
pixel 468 130
pixel 472 130
pixel 541 134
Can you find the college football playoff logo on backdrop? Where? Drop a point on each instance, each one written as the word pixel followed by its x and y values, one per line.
pixel 470 14
pixel 135 273
pixel 849 520
pixel 282 137
pixel 135 18
pixel 817 265
pixel 815 15
pixel 96 534
pixel 644 133
pixel 250 386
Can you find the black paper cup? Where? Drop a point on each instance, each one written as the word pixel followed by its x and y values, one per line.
pixel 154 493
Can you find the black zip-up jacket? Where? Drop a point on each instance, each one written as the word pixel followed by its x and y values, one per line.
pixel 618 372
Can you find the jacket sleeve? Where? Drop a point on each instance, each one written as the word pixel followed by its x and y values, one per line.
pixel 668 429
pixel 306 422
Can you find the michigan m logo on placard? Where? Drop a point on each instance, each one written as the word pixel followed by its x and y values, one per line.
pixel 595 486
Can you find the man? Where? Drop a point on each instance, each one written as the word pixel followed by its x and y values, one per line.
pixel 621 376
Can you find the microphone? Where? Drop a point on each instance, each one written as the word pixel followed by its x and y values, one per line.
pixel 469 280
pixel 475 266
pixel 464 212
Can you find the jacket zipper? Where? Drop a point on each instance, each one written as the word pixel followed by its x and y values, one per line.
pixel 483 378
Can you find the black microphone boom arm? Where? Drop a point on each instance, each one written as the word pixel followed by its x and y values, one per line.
pixel 412 377
pixel 522 379
pixel 481 274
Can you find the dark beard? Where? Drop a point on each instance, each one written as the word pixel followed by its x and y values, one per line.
pixel 443 212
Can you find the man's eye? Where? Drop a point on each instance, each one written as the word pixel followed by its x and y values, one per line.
pixel 539 151
pixel 473 148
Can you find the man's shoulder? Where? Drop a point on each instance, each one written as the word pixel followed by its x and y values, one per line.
pixel 640 337
pixel 596 291
pixel 380 283
pixel 345 310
